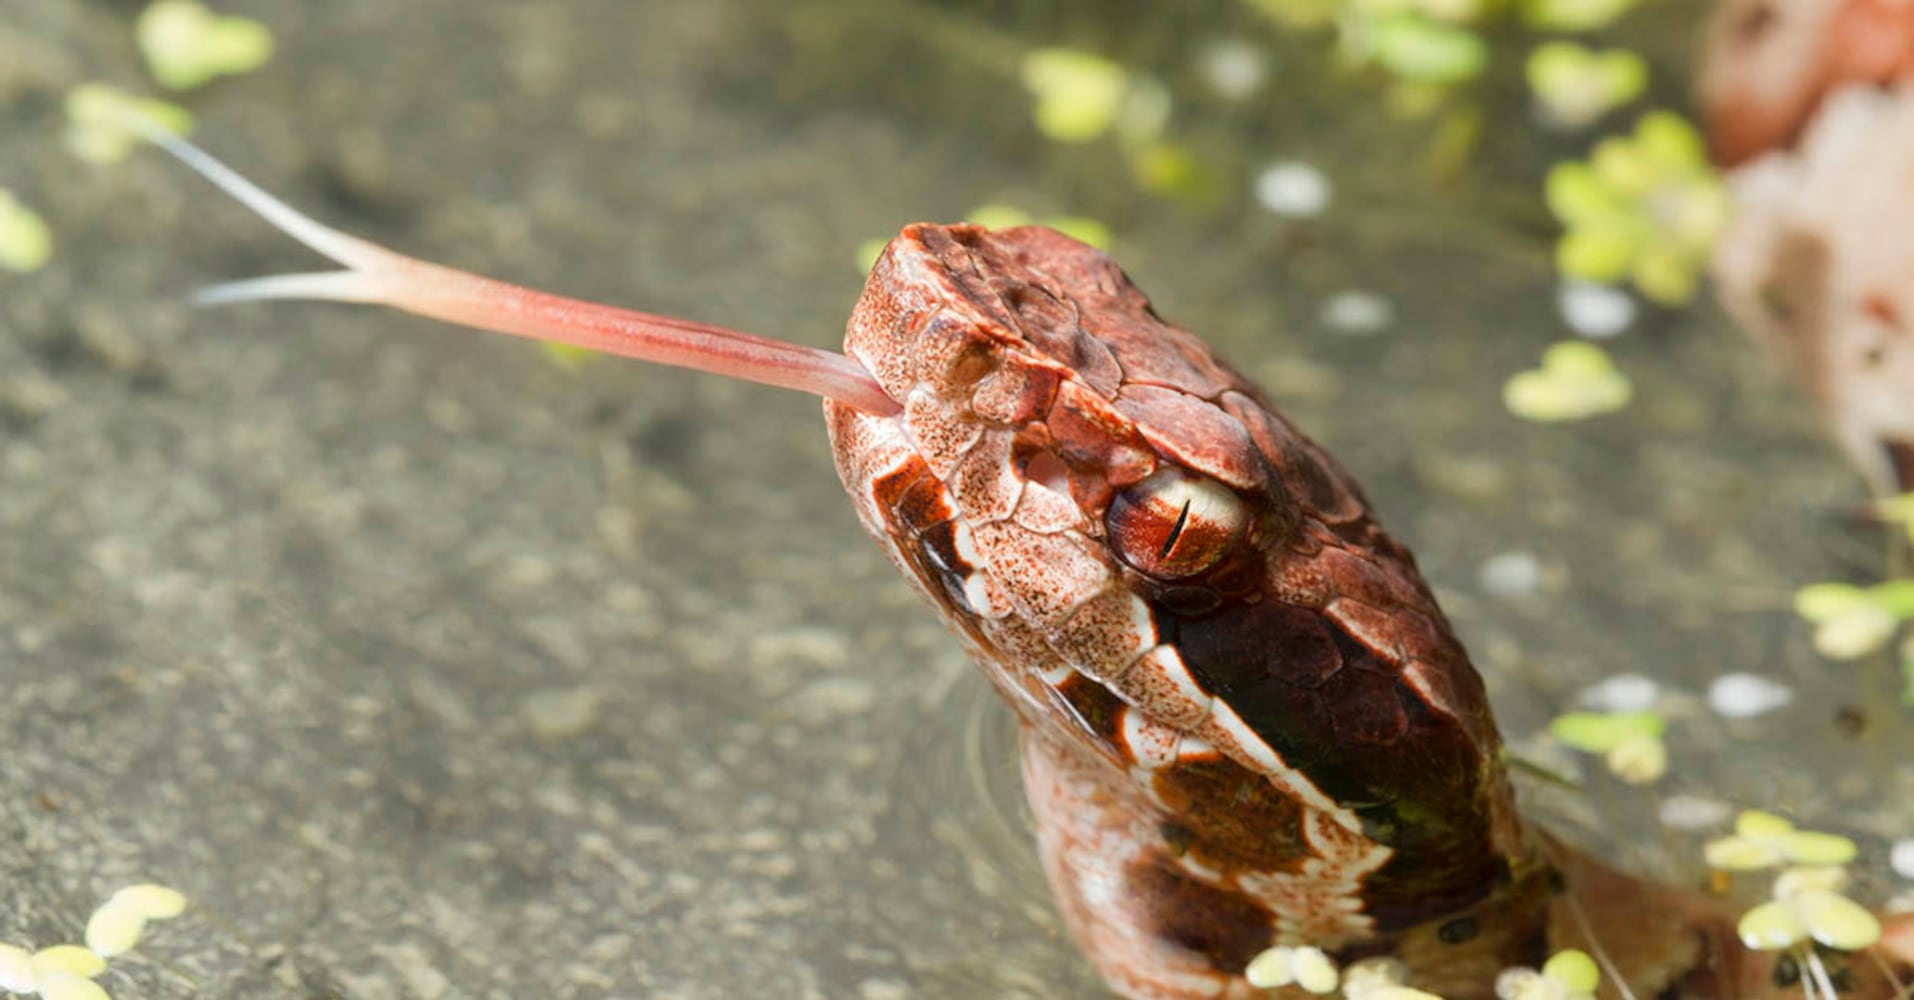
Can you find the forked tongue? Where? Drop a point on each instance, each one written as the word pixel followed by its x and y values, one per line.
pixel 374 274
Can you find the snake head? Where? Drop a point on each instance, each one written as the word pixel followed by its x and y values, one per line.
pixel 1152 564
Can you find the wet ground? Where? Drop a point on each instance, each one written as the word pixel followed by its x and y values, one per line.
pixel 428 668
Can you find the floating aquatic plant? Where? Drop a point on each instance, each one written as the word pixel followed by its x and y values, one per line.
pixel 1764 840
pixel 1577 380
pixel 1807 904
pixel 1081 97
pixel 67 971
pixel 1828 918
pixel 116 926
pixel 26 244
pixel 186 45
pixel 1427 49
pixel 1569 974
pixel 97 118
pixel 1078 94
pixel 1573 15
pixel 1645 207
pixel 1851 622
pixel 1433 45
pixel 1420 49
pixel 1313 971
pixel 1575 86
pixel 1307 968
pixel 1630 742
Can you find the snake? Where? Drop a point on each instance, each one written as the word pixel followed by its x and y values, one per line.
pixel 1245 722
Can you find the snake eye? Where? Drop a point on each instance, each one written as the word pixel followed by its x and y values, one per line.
pixel 1174 525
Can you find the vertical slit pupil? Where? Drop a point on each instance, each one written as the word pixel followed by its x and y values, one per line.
pixel 1176 531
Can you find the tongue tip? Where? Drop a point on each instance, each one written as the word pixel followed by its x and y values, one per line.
pixel 332 286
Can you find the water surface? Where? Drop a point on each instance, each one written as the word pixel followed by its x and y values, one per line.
pixel 428 668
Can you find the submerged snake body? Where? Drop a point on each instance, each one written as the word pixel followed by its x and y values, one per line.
pixel 1245 721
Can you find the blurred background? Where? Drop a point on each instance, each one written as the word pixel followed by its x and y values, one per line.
pixel 431 664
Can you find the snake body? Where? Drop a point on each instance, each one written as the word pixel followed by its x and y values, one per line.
pixel 1245 720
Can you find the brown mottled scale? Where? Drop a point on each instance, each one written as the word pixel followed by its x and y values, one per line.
pixel 1245 721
